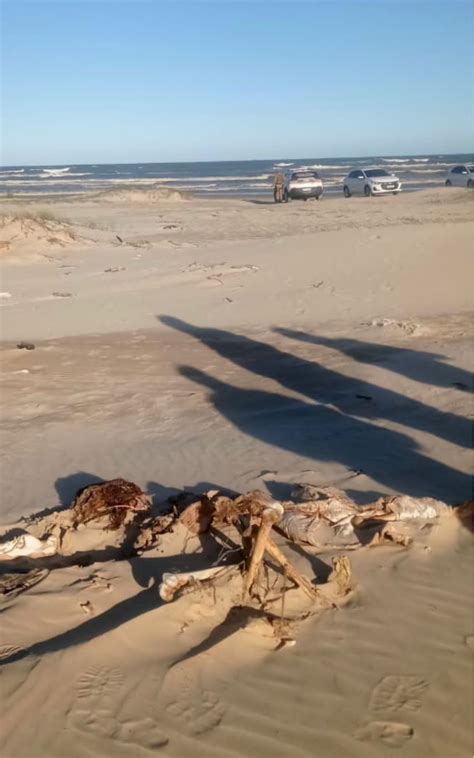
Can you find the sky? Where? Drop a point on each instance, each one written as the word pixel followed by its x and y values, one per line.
pixel 171 80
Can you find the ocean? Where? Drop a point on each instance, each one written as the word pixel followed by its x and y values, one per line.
pixel 219 178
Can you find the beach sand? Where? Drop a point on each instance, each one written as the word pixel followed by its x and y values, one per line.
pixel 185 343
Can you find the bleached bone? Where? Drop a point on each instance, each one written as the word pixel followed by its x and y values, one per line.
pixel 293 573
pixel 270 516
pixel 172 583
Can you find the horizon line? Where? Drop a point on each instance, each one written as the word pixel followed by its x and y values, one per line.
pixel 235 160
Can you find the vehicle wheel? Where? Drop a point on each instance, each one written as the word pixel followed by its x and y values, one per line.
pixel 395 193
pixel 470 184
pixel 448 183
pixel 367 191
pixel 347 192
pixel 318 197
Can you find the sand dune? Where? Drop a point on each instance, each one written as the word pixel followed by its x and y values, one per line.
pixel 148 195
pixel 25 233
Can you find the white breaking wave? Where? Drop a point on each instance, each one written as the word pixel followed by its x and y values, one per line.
pixel 428 171
pixel 196 186
pixel 334 180
pixel 428 180
pixel 340 166
pixel 54 171
pixel 66 177
pixel 284 164
pixel 406 161
pixel 192 179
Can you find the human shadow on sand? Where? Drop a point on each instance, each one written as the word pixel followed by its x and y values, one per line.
pixel 354 397
pixel 426 368
pixel 330 428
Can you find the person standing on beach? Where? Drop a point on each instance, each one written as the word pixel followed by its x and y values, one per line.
pixel 278 187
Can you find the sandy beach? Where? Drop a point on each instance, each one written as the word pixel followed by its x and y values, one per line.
pixel 198 344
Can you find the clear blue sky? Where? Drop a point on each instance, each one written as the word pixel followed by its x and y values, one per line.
pixel 90 82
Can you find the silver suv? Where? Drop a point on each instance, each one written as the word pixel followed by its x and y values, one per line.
pixel 301 184
pixel 371 181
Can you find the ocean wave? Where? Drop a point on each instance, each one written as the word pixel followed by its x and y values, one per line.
pixel 406 161
pixel 229 178
pixel 426 181
pixel 279 165
pixel 215 189
pixel 409 167
pixel 55 171
pixel 66 180
pixel 190 179
pixel 318 166
pixel 333 180
pixel 64 177
pixel 421 167
pixel 196 187
pixel 428 171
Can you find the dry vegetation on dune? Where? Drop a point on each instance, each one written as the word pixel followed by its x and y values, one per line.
pixel 20 229
pixel 150 194
pixel 41 225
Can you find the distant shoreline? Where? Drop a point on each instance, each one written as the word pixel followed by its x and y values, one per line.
pixel 235 179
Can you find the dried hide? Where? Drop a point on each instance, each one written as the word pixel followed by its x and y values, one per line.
pixel 118 501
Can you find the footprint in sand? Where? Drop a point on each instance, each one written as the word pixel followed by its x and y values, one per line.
pixel 99 695
pixel 394 693
pixel 199 714
pixel 389 732
pixel 103 723
pixel 144 732
pixel 197 710
pixel 99 683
